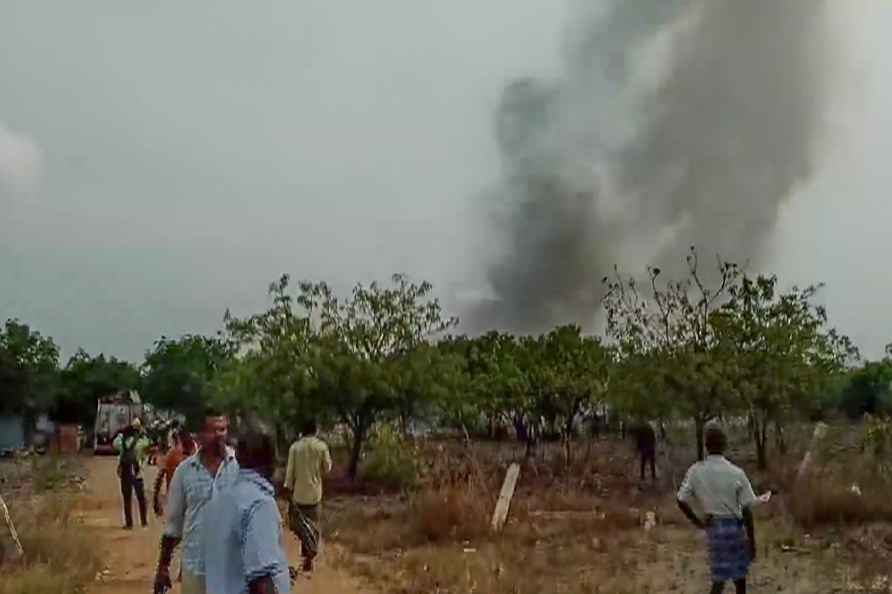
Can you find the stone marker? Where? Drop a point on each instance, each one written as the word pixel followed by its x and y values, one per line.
pixel 504 502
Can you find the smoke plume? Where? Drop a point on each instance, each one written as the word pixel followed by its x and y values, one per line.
pixel 674 123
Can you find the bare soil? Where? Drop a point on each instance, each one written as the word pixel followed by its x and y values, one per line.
pixel 130 557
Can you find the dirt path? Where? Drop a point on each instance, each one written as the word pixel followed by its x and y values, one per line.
pixel 130 556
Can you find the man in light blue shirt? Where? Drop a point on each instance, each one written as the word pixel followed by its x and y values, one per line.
pixel 243 550
pixel 198 479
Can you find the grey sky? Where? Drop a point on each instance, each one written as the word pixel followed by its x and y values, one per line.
pixel 160 162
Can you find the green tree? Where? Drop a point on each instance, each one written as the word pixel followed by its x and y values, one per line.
pixel 498 384
pixel 85 379
pixel 423 380
pixel 177 373
pixel 868 390
pixel 362 341
pixel 782 349
pixel 273 371
pixel 671 325
pixel 29 366
pixel 568 373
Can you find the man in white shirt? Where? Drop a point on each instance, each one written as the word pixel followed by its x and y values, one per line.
pixel 308 461
pixel 724 494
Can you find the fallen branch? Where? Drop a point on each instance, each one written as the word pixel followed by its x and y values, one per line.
pixel 12 531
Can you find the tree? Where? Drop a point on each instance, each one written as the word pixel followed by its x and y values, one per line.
pixel 273 370
pixel 85 379
pixel 568 373
pixel 673 329
pixel 783 351
pixel 499 384
pixel 176 373
pixel 29 365
pixel 362 339
pixel 424 378
pixel 868 390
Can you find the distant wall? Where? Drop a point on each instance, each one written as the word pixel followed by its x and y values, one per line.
pixel 12 432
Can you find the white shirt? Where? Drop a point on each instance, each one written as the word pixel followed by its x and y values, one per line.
pixel 721 489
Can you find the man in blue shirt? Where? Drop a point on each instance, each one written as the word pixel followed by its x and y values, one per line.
pixel 195 482
pixel 243 552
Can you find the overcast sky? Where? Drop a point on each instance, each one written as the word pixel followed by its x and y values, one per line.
pixel 162 161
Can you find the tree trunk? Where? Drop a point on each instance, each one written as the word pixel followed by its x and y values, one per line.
pixel 760 435
pixel 779 437
pixel 356 451
pixel 699 425
pixel 521 429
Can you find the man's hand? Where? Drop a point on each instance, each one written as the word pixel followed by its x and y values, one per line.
pixel 262 585
pixel 157 507
pixel 162 581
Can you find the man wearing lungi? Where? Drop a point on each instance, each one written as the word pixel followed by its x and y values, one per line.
pixel 725 496
pixel 308 461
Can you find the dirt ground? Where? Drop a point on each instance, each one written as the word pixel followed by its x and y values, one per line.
pixel 131 556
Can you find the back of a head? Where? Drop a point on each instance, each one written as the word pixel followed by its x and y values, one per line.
pixel 715 439
pixel 309 428
pixel 186 441
pixel 256 447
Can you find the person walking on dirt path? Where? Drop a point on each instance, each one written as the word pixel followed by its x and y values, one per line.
pixel 213 468
pixel 308 461
pixel 646 447
pixel 243 546
pixel 725 496
pixel 131 445
pixel 183 447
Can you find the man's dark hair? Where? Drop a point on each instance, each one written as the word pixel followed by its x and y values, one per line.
pixel 715 439
pixel 212 412
pixel 185 439
pixel 256 448
pixel 310 427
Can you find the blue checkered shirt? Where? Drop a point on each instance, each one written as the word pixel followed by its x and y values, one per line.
pixel 191 488
pixel 244 541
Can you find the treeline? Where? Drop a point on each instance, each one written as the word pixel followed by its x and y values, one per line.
pixel 695 348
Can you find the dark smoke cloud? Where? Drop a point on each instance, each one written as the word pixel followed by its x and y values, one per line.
pixel 675 122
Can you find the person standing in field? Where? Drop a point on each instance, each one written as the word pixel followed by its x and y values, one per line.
pixel 212 469
pixel 183 447
pixel 724 494
pixel 646 446
pixel 243 545
pixel 308 461
pixel 131 446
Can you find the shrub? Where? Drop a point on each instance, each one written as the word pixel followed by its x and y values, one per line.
pixel 825 502
pixel 454 513
pixel 47 473
pixel 392 462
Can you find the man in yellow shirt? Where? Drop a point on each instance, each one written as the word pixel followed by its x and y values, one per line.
pixel 308 460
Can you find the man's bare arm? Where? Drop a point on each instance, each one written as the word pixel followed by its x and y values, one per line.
pixel 156 493
pixel 687 511
pixel 162 574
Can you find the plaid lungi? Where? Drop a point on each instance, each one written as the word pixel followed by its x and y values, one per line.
pixel 729 557
pixel 304 522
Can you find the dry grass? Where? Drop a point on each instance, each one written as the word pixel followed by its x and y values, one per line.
pixel 455 513
pixel 58 556
pixel 576 529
